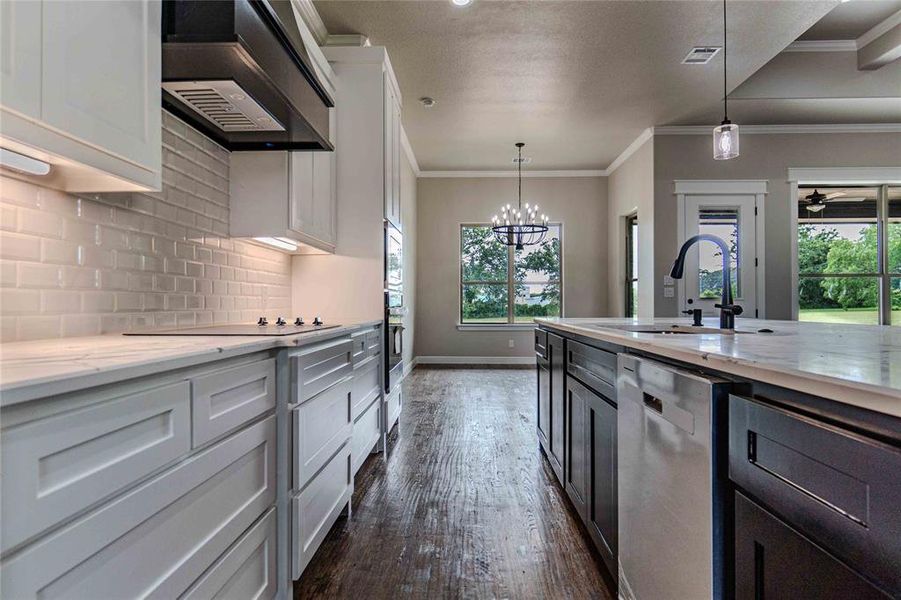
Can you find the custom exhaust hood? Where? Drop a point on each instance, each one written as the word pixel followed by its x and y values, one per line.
pixel 238 71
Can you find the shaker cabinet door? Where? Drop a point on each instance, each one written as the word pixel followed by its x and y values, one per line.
pixel 601 516
pixel 775 562
pixel 576 444
pixel 101 75
pixel 300 192
pixel 20 56
pixel 556 357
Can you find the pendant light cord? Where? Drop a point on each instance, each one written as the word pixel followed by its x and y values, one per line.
pixel 725 58
pixel 520 178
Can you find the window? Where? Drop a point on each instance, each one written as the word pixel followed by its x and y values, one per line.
pixel 632 265
pixel 502 285
pixel 849 255
pixel 723 222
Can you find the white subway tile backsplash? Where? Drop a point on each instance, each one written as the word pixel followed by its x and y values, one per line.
pixel 103 263
pixel 20 247
pixel 60 301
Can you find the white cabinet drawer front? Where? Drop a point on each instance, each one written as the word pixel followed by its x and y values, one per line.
pixel 366 387
pixel 315 509
pixel 56 467
pixel 321 425
pixel 226 399
pixel 394 404
pixel 320 366
pixel 246 571
pixel 155 541
pixel 367 430
pixel 358 340
pixel 101 84
pixel 373 342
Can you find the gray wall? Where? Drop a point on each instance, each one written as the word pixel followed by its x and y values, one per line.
pixel 631 190
pixel 763 156
pixel 443 204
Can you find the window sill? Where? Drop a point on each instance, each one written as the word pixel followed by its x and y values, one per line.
pixel 497 327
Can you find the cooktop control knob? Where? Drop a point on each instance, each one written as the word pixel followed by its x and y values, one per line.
pixel 298 321
pixel 262 322
pixel 280 322
pixel 317 321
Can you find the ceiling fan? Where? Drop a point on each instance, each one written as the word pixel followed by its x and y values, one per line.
pixel 816 201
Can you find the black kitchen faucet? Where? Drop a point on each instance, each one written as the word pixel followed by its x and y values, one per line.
pixel 728 310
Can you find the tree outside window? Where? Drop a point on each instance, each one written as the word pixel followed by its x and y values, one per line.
pixel 501 285
pixel 842 277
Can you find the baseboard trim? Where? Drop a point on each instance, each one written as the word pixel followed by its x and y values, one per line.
pixel 475 360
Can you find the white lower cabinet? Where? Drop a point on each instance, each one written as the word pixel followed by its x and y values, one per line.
pixel 316 508
pixel 393 405
pixel 247 570
pixel 367 431
pixel 156 540
pixel 55 467
pixel 321 425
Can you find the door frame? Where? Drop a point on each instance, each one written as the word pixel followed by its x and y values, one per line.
pixel 798 176
pixel 720 187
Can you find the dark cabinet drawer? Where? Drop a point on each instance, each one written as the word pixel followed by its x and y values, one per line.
pixel 836 486
pixel 541 343
pixel 775 562
pixel 594 367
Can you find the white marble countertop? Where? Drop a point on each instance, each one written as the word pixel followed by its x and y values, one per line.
pixel 41 368
pixel 858 365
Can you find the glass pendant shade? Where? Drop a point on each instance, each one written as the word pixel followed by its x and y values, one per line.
pixel 725 141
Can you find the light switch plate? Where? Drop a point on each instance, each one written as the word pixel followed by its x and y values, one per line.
pixel 667 280
pixel 669 292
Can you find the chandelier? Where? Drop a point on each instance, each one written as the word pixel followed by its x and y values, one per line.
pixel 516 226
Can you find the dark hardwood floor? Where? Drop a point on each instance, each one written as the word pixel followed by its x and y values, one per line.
pixel 465 507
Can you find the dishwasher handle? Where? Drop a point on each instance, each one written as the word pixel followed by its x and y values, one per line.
pixel 653 402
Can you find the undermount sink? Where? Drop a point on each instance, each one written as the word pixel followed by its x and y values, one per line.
pixel 674 329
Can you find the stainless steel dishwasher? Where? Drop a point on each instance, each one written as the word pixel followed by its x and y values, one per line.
pixel 672 476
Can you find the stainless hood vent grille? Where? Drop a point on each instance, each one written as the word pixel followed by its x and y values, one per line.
pixel 224 104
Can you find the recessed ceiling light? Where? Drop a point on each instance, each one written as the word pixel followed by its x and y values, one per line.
pixel 461 2
pixel 427 102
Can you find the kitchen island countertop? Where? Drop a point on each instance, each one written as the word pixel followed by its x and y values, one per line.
pixel 858 365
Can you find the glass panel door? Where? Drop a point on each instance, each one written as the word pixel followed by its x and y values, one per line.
pixel 732 219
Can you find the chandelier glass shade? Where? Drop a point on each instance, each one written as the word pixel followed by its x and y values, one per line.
pixel 519 225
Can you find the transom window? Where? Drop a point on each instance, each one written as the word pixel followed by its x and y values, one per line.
pixel 849 255
pixel 502 285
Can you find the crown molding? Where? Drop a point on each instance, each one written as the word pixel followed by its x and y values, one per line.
pixel 347 39
pixel 408 150
pixel 822 46
pixel 496 174
pixel 311 18
pixel 783 129
pixel 630 150
pixel 879 30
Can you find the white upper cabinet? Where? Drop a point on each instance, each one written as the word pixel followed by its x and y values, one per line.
pixel 20 57
pixel 392 153
pixel 284 195
pixel 81 90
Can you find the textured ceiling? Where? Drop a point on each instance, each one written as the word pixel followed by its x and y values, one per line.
pixel 850 20
pixel 576 81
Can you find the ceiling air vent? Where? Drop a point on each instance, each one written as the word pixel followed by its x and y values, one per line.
pixel 224 104
pixel 700 55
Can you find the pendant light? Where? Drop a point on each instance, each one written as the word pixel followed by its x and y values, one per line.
pixel 725 137
pixel 512 228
